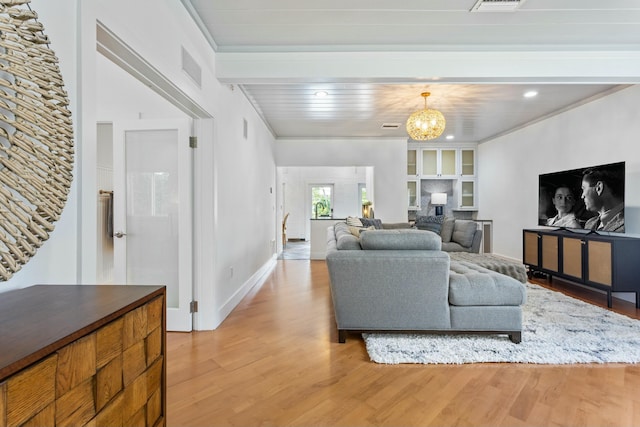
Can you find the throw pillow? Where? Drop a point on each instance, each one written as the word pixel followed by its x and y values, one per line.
pixel 354 221
pixel 375 222
pixel 430 223
pixel 430 226
pixel 357 230
pixel 463 232
pixel 447 229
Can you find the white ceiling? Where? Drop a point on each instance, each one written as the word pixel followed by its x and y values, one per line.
pixel 474 112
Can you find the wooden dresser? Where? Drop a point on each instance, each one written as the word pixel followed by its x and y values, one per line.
pixel 83 356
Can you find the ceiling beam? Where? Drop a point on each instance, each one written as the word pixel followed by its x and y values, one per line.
pixel 593 66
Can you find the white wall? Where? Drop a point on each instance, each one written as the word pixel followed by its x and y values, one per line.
pixel 240 192
pixel 56 262
pixel 603 131
pixel 243 180
pixel 387 157
pixel 120 96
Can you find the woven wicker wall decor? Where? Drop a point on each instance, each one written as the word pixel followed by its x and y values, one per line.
pixel 36 137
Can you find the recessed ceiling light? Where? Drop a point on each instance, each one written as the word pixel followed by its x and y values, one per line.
pixel 450 137
pixel 531 94
pixel 321 93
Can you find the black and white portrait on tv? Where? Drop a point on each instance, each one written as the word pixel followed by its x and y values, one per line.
pixel 590 198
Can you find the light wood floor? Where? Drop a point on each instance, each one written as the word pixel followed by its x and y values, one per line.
pixel 276 361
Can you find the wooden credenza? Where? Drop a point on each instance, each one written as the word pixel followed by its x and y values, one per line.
pixel 83 356
pixel 606 262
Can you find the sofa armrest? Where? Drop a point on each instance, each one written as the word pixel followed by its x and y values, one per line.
pixel 390 289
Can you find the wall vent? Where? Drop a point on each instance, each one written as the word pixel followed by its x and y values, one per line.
pixel 390 125
pixel 191 67
pixel 496 5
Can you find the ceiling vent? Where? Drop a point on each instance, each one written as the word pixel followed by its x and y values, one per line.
pixel 496 5
pixel 390 125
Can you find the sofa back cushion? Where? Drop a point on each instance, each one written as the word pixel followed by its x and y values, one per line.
pixel 345 240
pixel 463 232
pixel 400 239
pixel 446 231
pixel 348 242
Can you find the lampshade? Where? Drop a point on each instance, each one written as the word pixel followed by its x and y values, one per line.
pixel 439 198
pixel 425 124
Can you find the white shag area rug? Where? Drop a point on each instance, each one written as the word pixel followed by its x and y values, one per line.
pixel 557 329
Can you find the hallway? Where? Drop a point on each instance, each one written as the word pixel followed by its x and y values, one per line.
pixel 296 250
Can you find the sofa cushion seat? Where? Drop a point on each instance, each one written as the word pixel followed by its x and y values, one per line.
pixel 493 262
pixel 454 247
pixel 472 285
pixel 400 239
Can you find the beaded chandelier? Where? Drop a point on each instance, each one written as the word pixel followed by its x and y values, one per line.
pixel 425 124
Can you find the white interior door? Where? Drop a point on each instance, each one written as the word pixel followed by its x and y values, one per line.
pixel 152 202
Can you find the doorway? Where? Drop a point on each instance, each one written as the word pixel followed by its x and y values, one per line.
pixel 345 200
pixel 152 211
pixel 152 122
pixel 145 210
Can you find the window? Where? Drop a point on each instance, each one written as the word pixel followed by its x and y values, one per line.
pixel 321 200
pixel 362 189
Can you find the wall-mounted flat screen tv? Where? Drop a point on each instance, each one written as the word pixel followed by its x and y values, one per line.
pixel 590 198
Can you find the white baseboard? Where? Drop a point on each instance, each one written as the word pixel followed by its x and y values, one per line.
pixel 258 278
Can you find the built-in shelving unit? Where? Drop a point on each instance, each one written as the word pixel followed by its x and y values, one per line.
pixel 434 161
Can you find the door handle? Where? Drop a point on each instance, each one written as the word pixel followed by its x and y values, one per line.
pixel 119 234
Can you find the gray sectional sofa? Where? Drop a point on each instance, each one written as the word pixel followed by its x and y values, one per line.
pixel 402 280
pixel 458 235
